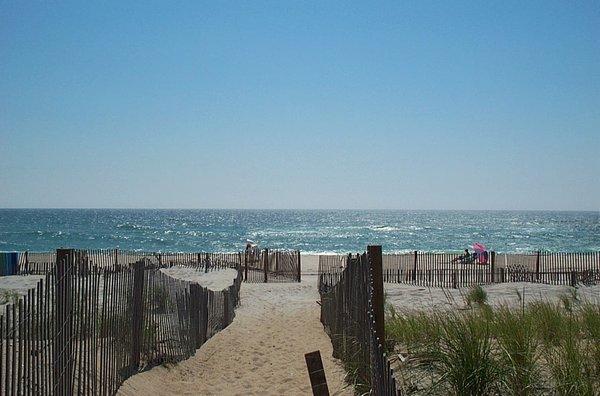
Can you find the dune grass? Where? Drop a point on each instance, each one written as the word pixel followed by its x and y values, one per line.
pixel 476 295
pixel 542 347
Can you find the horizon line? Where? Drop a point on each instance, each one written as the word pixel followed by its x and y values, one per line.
pixel 302 209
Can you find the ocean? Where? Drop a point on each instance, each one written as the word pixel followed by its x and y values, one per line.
pixel 311 231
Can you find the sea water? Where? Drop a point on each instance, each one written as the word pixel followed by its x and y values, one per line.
pixel 311 231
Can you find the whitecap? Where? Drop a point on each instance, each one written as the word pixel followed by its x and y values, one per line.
pixel 384 228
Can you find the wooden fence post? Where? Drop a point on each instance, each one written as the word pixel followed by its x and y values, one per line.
pixel 206 263
pixel 137 319
pixel 62 368
pixel 573 278
pixel 116 256
pixel 376 264
pixel 537 266
pixel 246 265
pixel 195 299
pixel 204 315
pixel 493 265
pixel 502 276
pixel 454 283
pixel 266 265
pixel 414 274
pixel 27 261
pixel 316 373
pixel 299 266
pixel 225 308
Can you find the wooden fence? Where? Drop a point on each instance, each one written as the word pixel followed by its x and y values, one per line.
pixel 40 263
pixel 444 270
pixel 272 266
pixel 331 268
pixel 90 323
pixel 263 266
pixel 352 314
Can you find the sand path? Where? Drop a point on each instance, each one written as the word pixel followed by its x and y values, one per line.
pixel 260 353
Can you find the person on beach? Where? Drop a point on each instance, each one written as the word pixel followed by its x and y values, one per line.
pixel 252 251
pixel 463 258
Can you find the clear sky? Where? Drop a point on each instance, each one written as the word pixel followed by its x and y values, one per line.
pixel 289 104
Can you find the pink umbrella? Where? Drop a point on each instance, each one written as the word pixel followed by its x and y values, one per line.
pixel 481 251
pixel 479 247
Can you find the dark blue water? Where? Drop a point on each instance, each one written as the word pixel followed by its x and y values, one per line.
pixel 307 230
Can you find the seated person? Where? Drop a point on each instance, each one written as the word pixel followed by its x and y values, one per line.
pixel 464 257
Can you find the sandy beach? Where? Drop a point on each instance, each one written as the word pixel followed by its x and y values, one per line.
pixel 213 280
pixel 14 286
pixel 411 297
pixel 260 353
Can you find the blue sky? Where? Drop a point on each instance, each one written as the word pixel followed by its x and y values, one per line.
pixel 407 105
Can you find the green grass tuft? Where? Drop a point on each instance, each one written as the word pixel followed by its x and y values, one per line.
pixel 476 295
pixel 463 358
pixel 537 348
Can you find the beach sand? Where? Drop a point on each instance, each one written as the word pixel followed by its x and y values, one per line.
pixel 213 280
pixel 422 298
pixel 13 287
pixel 260 353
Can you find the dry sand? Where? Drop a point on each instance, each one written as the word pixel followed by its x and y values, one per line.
pixel 13 286
pixel 422 298
pixel 260 353
pixel 216 280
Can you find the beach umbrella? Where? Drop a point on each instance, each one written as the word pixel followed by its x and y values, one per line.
pixel 479 247
pixel 481 251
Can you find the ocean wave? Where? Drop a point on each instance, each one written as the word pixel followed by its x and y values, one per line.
pixel 384 228
pixel 132 226
pixel 316 232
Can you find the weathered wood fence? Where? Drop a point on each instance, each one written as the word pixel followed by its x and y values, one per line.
pixel 262 266
pixel 272 266
pixel 445 270
pixel 352 314
pixel 40 263
pixel 94 320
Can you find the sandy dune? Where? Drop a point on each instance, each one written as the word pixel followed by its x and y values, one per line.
pixel 260 353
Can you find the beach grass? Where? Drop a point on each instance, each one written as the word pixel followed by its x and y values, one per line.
pixel 542 347
pixel 476 295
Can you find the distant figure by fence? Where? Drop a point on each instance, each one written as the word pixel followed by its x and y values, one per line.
pixel 450 270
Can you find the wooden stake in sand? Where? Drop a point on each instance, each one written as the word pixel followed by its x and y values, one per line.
pixel 318 382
